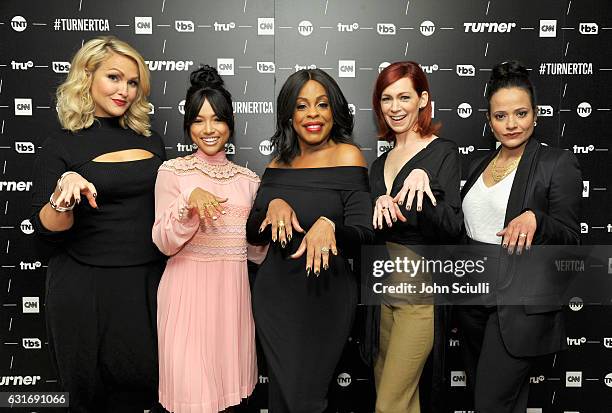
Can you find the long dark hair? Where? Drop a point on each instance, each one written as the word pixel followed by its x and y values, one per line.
pixel 206 84
pixel 285 139
pixel 510 74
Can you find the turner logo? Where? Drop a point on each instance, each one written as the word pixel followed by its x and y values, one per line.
pixel 266 147
pixel 348 27
pixel 382 66
pixel 608 380
pixel 573 379
pixel 30 305
pixel 22 66
pixel 305 28
pixel 576 341
pixel 230 149
pixel 576 304
pixel 15 186
pixel 548 28
pixel 344 379
pixel 266 67
pixel 383 147
pixel 225 66
pixel 224 27
pixel 181 107
pixel 588 28
pixel 465 150
pixel 464 110
pixel 168 65
pixel 19 380
pixel 31 343
pixel 265 26
pixel 60 67
pixel 466 70
pixel 584 228
pixel 489 27
pixel 385 29
pixel 586 186
pixel 19 23
pixel 346 68
pixel 427 28
pixel 584 109
pixel 545 111
pixel 607 342
pixel 26 227
pixel 184 26
pixel 536 379
pixel 457 378
pixel 143 25
pixel 23 107
pixel 24 147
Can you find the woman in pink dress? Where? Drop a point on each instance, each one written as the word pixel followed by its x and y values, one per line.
pixel 207 359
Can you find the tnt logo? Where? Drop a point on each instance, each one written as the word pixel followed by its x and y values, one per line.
pixel 151 109
pixel 464 110
pixel 265 26
pixel 583 149
pixel 225 66
pixel 266 67
pixel 31 343
pixel 588 28
pixel 30 305
pixel 22 66
pixel 30 265
pixel 465 150
pixel 383 147
pixel 607 342
pixel 23 107
pixel 352 109
pixel 608 380
pixel 576 304
pixel 427 28
pixel 305 28
pixel 26 227
pixel 24 147
pixel 385 29
pixel 585 188
pixel 584 109
pixel 143 25
pixel 181 107
pixel 458 379
pixel 19 23
pixel 344 379
pixel 183 26
pixel 584 228
pixel 266 147
pixel 60 67
pixel 573 379
pixel 548 28
pixel 382 66
pixel 545 111
pixel 230 149
pixel 465 70
pixel 346 68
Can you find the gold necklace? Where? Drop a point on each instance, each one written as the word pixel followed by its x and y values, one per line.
pixel 500 173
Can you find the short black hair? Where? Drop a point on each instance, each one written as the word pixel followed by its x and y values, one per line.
pixel 285 139
pixel 510 74
pixel 206 84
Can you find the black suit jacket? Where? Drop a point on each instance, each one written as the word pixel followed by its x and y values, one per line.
pixel 548 182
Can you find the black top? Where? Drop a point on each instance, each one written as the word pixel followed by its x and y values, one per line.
pixel 118 233
pixel 433 225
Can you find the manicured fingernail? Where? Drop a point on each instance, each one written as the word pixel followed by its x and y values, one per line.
pixel 78 201
pixel 307 271
pixel 317 272
pixel 505 245
pixel 273 239
pixel 518 251
pixel 289 237
pixel 335 252
pixel 214 217
pixel 326 267
pixel 510 251
pixel 435 203
pixel 95 194
pixel 283 243
pixel 260 230
pixel 408 207
pixel 401 202
pixel 394 219
pixel 419 209
pixel 528 247
pixel 223 212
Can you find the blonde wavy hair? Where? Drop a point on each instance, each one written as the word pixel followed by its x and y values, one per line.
pixel 75 105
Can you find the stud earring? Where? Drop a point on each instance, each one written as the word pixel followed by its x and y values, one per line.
pixel 535 123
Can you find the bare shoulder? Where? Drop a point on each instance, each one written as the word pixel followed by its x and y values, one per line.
pixel 348 155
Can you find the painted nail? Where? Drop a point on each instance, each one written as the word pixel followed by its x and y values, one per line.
pixel 435 203
pixel 289 237
pixel 505 245
pixel 223 212
pixel 307 271
pixel 317 272
pixel 214 217
pixel 260 230
pixel 283 243
pixel 408 207
pixel 394 219
pixel 95 194
pixel 528 247
pixel 419 209
pixel 401 202
pixel 518 251
pixel 326 267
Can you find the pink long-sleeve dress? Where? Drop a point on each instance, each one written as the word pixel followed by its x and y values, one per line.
pixel 207 359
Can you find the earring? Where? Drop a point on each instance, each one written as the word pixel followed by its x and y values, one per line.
pixel 535 123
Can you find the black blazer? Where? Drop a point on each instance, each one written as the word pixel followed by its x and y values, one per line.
pixel 548 182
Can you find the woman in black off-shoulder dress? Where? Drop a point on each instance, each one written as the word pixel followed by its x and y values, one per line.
pixel 314 205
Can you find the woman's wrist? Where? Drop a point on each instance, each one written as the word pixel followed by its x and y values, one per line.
pixel 329 221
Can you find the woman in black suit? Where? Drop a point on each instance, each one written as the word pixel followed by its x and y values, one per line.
pixel 523 194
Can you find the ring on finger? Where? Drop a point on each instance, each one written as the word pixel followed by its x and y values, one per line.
pixel 522 235
pixel 324 250
pixel 281 223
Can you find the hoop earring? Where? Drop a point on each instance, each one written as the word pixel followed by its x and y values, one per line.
pixel 535 123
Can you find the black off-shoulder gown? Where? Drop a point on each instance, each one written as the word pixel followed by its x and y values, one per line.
pixel 303 322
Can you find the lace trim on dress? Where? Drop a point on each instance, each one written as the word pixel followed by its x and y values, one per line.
pixel 220 173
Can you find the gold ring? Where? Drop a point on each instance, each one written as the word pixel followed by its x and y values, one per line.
pixel 280 223
pixel 522 235
pixel 324 250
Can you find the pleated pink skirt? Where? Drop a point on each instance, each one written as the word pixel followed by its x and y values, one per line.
pixel 207 359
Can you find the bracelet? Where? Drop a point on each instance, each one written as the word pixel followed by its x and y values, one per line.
pixel 329 221
pixel 59 208
pixel 61 178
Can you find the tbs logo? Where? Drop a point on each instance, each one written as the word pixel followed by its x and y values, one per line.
pixel 457 378
pixel 143 25
pixel 31 343
pixel 24 147
pixel 466 70
pixel 23 107
pixel 60 67
pixel 230 149
pixel 344 379
pixel 588 28
pixel 183 26
pixel 266 67
pixel 30 305
pixel 385 29
pixel 346 68
pixel 225 66
pixel 586 186
pixel 548 28
pixel 584 228
pixel 265 26
pixel 607 342
pixel 545 110
pixel 19 23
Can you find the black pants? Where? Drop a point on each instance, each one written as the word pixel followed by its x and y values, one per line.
pixel 499 380
pixel 101 326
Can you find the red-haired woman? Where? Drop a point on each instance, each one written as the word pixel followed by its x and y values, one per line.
pixel 416 188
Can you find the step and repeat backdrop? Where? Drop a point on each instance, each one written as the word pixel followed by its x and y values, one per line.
pixel 256 45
